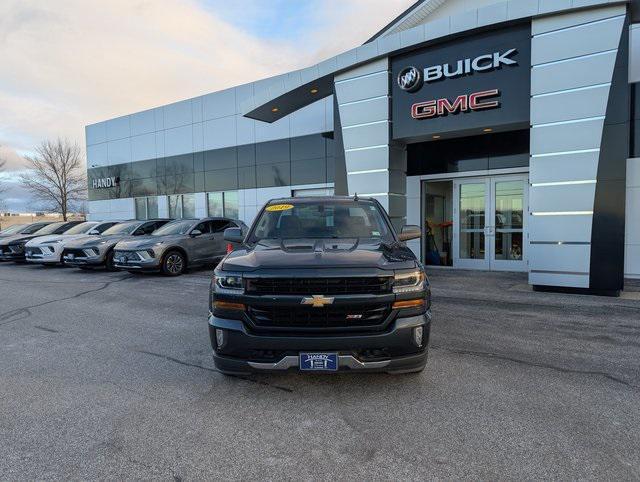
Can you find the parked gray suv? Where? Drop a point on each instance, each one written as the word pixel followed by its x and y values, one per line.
pixel 95 251
pixel 176 246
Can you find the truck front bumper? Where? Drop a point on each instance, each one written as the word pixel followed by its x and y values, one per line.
pixel 392 351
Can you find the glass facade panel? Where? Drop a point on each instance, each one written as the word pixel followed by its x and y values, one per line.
pixel 509 220
pixel 247 177
pixel 221 180
pixel 143 187
pixel 246 155
pixel 188 206
pixel 215 205
pixel 152 207
pixel 182 164
pixel 226 158
pixel 272 152
pixel 273 175
pixel 231 206
pixel 142 169
pixel 476 153
pixel 141 208
pixel 307 147
pixel 146 207
pixel 175 206
pixel 223 169
pixel 180 183
pixel 310 171
pixel 472 221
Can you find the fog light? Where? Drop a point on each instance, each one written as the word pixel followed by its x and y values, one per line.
pixel 220 338
pixel 417 336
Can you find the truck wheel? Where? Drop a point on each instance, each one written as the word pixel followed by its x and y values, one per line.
pixel 108 262
pixel 173 263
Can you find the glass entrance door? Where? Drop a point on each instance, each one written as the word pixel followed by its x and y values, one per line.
pixel 490 223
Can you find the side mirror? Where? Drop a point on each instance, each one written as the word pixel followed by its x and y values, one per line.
pixel 410 232
pixel 195 232
pixel 233 235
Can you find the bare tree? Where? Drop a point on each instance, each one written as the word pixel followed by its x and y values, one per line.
pixel 55 175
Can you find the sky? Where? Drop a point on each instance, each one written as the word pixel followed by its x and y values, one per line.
pixel 68 63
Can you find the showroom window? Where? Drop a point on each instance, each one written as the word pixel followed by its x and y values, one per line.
pixel 146 207
pixel 223 204
pixel 182 206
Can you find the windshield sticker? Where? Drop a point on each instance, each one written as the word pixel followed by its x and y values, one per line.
pixel 375 233
pixel 279 207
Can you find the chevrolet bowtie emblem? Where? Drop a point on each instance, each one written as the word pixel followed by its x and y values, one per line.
pixel 317 301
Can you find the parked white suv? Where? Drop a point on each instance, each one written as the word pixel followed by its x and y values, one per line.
pixel 48 249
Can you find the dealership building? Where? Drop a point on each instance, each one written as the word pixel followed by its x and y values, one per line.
pixel 508 131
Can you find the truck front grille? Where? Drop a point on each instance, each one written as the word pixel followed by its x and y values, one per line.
pixel 308 317
pixel 319 286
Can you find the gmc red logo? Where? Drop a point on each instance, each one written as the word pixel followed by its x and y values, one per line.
pixel 463 103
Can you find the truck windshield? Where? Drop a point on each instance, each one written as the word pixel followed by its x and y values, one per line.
pixel 324 219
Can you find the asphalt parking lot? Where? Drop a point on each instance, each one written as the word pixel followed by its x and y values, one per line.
pixel 109 375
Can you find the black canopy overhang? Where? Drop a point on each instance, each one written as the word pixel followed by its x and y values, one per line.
pixel 293 100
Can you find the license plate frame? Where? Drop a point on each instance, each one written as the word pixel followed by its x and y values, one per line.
pixel 318 361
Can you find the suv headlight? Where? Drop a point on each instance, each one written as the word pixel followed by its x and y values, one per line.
pixel 228 283
pixel 408 282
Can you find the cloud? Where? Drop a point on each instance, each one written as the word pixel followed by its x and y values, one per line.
pixel 70 63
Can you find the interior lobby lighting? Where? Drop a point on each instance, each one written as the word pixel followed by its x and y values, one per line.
pixel 314 91
pixel 436 137
pixel 275 109
pixel 488 129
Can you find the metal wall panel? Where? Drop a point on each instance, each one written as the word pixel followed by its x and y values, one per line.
pixel 564 167
pixel 573 60
pixel 586 102
pixel 553 229
pixel 575 41
pixel 562 258
pixel 566 198
pixel 566 137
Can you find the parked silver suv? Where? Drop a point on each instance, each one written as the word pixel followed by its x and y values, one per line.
pixel 95 251
pixel 175 246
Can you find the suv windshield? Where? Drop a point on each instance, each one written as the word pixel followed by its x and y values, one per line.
pixel 175 227
pixel 323 219
pixel 13 229
pixel 80 228
pixel 122 228
pixel 49 229
pixel 33 228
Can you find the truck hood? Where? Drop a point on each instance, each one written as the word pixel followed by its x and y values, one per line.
pixel 320 253
pixel 147 242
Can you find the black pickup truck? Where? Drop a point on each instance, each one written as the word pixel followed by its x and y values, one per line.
pixel 320 284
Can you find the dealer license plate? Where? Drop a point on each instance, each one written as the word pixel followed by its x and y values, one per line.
pixel 321 362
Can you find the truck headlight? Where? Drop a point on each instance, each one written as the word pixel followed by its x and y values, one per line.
pixel 408 282
pixel 231 283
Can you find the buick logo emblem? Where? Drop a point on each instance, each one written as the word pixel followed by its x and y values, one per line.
pixel 410 79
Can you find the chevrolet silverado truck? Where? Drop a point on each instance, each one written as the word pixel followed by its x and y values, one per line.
pixel 320 284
